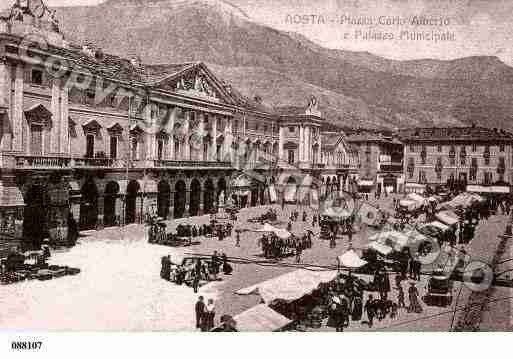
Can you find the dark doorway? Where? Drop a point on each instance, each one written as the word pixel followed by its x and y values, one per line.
pixel 180 199
pixel 132 192
pixel 89 206
pixel 163 199
pixel 208 202
pixel 111 193
pixel 35 216
pixel 194 207
pixel 254 196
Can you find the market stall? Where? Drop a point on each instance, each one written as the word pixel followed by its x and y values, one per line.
pixel 448 217
pixel 261 318
pixel 290 286
pixel 351 260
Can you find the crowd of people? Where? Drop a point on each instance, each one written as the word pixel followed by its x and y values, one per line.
pixel 276 247
pixel 193 272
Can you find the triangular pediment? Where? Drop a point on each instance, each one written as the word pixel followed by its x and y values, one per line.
pixel 91 126
pixel 115 128
pixel 199 82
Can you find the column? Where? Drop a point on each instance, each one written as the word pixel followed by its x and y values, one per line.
pixel 17 114
pixel 281 142
pixel 213 151
pixel 64 123
pixel 101 211
pixel 119 208
pixel 200 139
pixel 171 204
pixel 308 145
pixel 56 118
pixel 187 201
pixel 5 100
pixel 301 143
pixel 201 199
pixel 171 129
pixel 186 151
pixel 227 144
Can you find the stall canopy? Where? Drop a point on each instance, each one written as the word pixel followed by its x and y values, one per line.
pixel 267 228
pixel 447 217
pixel 351 260
pixel 417 198
pixel 437 224
pixel 394 239
pixel 463 200
pixel 282 233
pixel 260 318
pixel 336 214
pixel 408 204
pixel 380 248
pixel 488 189
pixel 290 286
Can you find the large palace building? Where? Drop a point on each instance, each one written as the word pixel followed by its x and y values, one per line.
pixel 470 155
pixel 99 140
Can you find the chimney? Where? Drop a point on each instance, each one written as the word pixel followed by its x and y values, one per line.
pixel 98 54
pixel 87 50
pixel 135 61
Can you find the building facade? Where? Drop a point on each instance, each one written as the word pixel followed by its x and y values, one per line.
pixel 469 155
pixel 340 162
pixel 380 162
pixel 99 140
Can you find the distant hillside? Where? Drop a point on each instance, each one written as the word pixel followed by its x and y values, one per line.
pixel 356 89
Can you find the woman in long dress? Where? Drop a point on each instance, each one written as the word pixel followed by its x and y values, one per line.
pixel 210 313
pixel 413 295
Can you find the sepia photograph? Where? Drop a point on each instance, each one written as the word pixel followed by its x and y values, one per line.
pixel 193 166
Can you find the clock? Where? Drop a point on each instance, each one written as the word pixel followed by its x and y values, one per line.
pixel 37 8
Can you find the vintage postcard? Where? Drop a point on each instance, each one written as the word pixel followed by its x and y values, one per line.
pixel 255 166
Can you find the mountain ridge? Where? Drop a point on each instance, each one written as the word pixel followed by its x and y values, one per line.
pixel 376 90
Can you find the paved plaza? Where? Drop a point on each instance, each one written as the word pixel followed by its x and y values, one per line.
pixel 119 287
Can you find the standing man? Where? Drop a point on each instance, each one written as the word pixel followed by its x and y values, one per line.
pixel 369 309
pixel 200 310
pixel 237 239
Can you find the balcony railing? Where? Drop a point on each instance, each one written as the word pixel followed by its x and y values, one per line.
pixel 42 162
pixel 195 164
pixel 391 168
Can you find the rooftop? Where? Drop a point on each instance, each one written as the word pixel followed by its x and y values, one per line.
pixel 471 133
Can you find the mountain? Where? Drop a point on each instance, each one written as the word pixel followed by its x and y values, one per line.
pixel 354 88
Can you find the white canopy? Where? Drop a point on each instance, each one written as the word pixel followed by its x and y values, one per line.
pixel 394 239
pixel 267 228
pixel 409 204
pixel 177 258
pixel 290 286
pixel 447 217
pixel 380 248
pixel 260 318
pixel 282 233
pixel 438 225
pixel 331 212
pixel 351 260
pixel 417 198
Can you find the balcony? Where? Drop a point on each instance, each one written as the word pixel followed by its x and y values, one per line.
pixel 42 162
pixel 89 162
pixel 391 167
pixel 192 164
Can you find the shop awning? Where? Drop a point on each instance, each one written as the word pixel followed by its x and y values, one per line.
pixel 290 286
pixel 365 183
pixel 488 189
pixel 260 318
pixel 351 260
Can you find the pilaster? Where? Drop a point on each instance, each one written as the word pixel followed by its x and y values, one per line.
pixel 17 110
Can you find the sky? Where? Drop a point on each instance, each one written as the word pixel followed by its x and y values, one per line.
pixel 457 28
